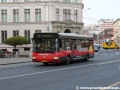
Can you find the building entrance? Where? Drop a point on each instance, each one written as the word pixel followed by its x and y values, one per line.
pixel 67 31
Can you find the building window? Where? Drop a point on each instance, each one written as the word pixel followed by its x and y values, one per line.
pixel 57 15
pixel 15 33
pixel 26 49
pixel 3 36
pixel 15 15
pixel 37 31
pixel 4 49
pixel 3 0
pixel 76 15
pixel 15 50
pixel 66 14
pixel 76 1
pixel 26 0
pixel 27 35
pixel 15 0
pixel 27 15
pixel 37 0
pixel 4 15
pixel 37 15
pixel 66 0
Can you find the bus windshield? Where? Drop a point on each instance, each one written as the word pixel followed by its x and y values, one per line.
pixel 45 45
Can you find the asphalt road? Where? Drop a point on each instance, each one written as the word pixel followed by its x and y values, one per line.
pixel 101 71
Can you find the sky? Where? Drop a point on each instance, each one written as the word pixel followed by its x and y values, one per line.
pixel 100 9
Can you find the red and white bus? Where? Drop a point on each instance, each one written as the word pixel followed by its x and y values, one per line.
pixel 61 47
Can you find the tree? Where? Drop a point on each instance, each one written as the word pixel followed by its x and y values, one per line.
pixel 16 40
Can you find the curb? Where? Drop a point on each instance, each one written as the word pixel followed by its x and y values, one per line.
pixel 15 63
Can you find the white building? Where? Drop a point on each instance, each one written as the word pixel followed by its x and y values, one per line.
pixel 91 29
pixel 105 24
pixel 25 17
pixel 117 31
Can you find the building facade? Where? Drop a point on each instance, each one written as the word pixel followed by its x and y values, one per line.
pixel 117 31
pixel 106 29
pixel 105 34
pixel 91 30
pixel 25 17
pixel 105 24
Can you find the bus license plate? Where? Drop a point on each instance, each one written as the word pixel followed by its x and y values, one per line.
pixel 44 61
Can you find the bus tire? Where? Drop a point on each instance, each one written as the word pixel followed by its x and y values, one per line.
pixel 68 60
pixel 86 58
pixel 45 63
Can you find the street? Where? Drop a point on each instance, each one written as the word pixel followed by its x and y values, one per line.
pixel 101 71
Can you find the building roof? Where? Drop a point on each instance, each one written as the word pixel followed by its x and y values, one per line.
pixel 116 20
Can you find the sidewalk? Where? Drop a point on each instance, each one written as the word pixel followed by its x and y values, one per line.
pixel 15 60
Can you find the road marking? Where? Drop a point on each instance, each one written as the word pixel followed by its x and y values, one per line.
pixel 112 85
pixel 107 62
pixel 44 72
pixel 112 54
pixel 57 70
pixel 117 53
pixel 106 54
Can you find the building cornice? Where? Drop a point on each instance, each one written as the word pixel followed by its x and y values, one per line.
pixel 43 22
pixel 43 2
pixel 17 23
pixel 116 20
pixel 67 23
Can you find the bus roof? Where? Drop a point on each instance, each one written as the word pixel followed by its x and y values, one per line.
pixel 68 35
pixel 75 35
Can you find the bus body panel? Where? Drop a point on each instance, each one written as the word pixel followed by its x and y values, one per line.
pixel 62 55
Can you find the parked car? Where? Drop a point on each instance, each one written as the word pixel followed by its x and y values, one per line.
pixel 2 54
pixel 8 53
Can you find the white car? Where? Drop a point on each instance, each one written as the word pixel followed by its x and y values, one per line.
pixel 96 47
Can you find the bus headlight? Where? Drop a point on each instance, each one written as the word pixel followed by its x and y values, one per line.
pixel 55 57
pixel 33 57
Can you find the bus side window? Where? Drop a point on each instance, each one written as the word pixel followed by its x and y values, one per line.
pixel 71 45
pixel 60 43
pixel 75 44
pixel 79 45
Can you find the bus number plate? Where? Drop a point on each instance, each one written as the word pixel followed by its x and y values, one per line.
pixel 44 61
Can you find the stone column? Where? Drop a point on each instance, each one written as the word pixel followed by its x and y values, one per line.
pixel 81 31
pixel 62 29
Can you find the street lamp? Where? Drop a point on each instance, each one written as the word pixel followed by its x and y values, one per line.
pixel 48 27
pixel 87 9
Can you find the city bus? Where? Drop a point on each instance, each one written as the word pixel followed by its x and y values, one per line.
pixel 109 45
pixel 61 47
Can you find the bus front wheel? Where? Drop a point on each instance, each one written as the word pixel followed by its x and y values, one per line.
pixel 86 58
pixel 67 60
